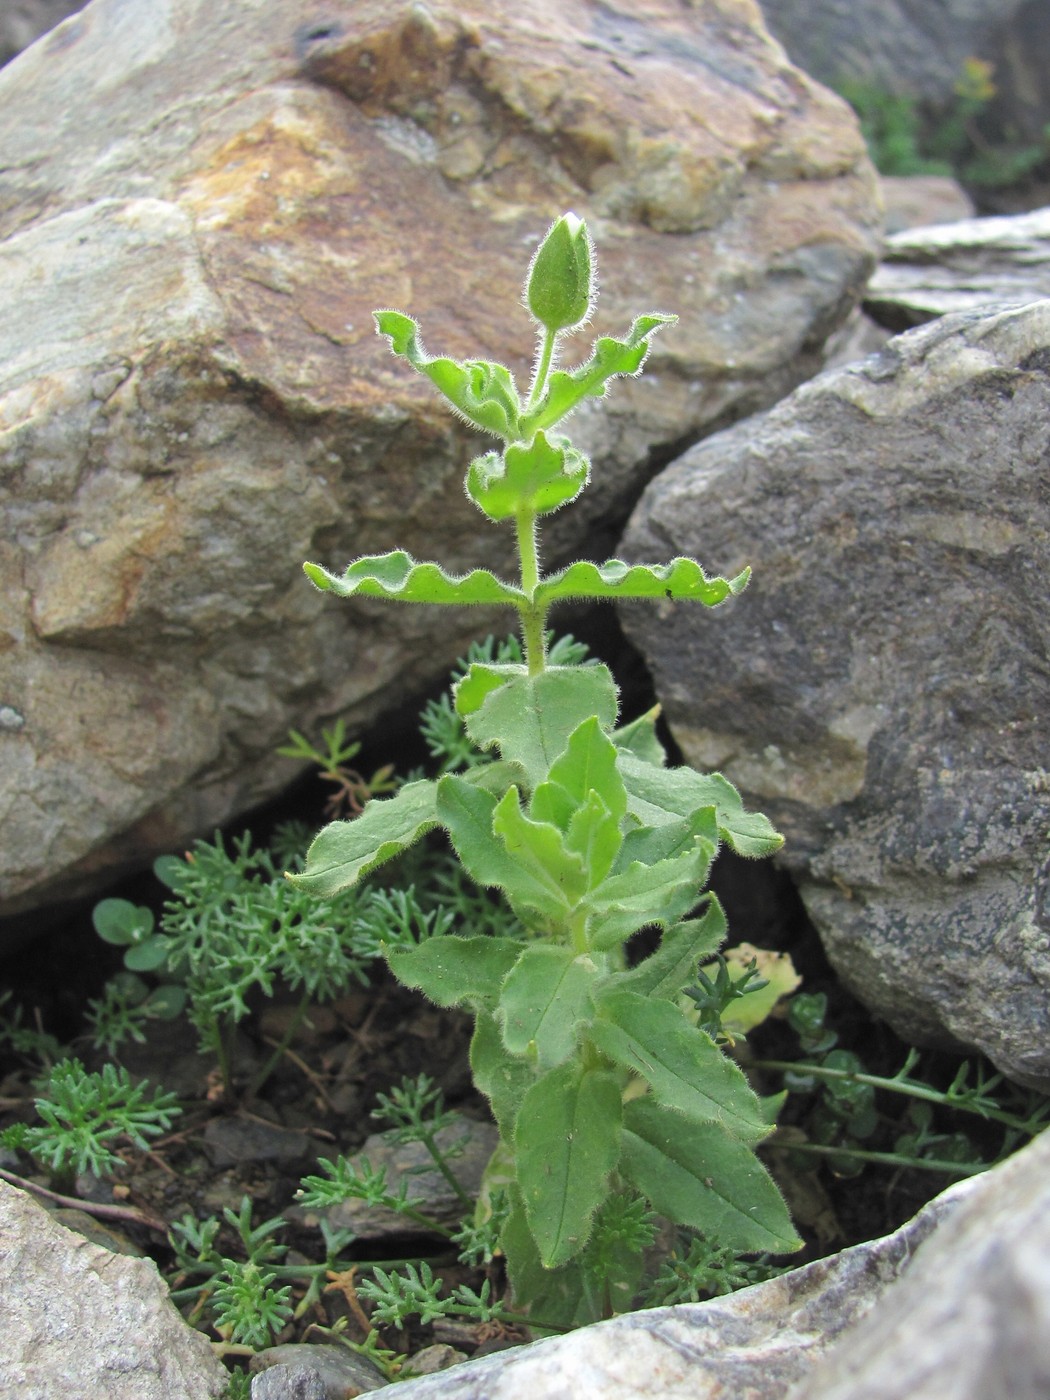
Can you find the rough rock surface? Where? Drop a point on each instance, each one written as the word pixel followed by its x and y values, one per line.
pixel 78 1321
pixel 201 206
pixel 970 1319
pixel 898 46
pixel 931 272
pixel 755 1343
pixel 881 689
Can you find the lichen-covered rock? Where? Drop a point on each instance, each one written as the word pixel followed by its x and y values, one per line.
pixel 78 1321
pixel 881 689
pixel 201 206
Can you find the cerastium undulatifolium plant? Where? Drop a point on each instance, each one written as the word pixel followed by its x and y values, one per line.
pixel 604 1089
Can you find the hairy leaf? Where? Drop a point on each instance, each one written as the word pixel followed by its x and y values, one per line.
pixel 682 948
pixel 609 357
pixel 531 718
pixel 467 811
pixel 501 1077
pixel 539 850
pixel 657 795
pixel 567 1143
pixel 643 895
pixel 538 477
pixel 544 1003
pixel 700 1176
pixel 399 578
pixel 454 971
pixel 344 852
pixel 684 1068
pixel 482 392
pixel 681 579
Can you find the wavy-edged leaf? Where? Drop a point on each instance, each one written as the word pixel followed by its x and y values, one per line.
pixel 455 971
pixel 681 579
pixel 609 357
pixel 684 1067
pixel 344 852
pixel 399 578
pixel 484 393
pixel 566 1143
pixel 538 477
pixel 700 1176
pixel 545 1001
pixel 657 795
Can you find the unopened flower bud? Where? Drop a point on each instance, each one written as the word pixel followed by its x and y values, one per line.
pixel 560 283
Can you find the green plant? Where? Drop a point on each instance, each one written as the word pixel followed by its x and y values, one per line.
pixel 906 137
pixel 84 1114
pixel 128 1003
pixel 234 927
pixel 28 1042
pixel 352 790
pixel 844 1113
pixel 601 1084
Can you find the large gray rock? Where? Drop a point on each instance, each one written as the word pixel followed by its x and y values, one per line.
pixel 201 205
pixel 970 1318
pixel 78 1322
pixel 960 266
pixel 881 689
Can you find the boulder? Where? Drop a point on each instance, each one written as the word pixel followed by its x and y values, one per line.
pixel 959 266
pixel 201 206
pixel 881 688
pixel 80 1321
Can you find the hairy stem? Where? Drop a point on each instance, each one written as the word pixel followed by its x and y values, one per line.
pixel 533 616
pixel 543 368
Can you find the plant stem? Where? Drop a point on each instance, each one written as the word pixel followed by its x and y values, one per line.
pixel 900 1086
pixel 443 1167
pixel 532 616
pixel 543 368
pixel 271 1064
pixel 889 1159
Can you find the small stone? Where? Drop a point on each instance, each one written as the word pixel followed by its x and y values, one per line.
pixel 288 1383
pixel 427 1361
pixel 342 1373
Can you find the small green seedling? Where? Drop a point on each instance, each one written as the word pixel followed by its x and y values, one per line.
pixel 604 1089
pixel 128 1002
